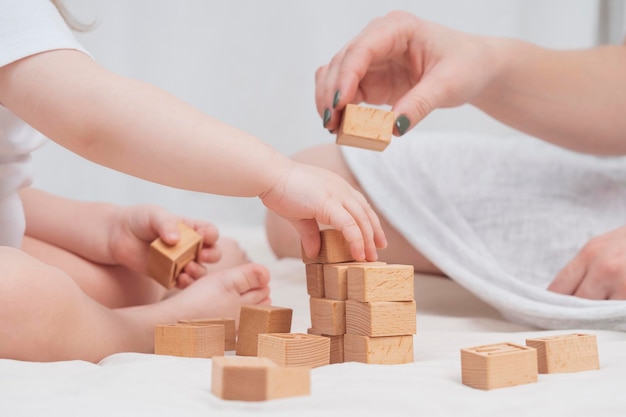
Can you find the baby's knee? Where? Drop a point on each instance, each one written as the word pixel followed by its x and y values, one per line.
pixel 27 281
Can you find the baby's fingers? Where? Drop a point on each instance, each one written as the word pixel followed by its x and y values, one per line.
pixel 191 272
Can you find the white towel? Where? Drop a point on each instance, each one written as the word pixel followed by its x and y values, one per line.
pixel 501 216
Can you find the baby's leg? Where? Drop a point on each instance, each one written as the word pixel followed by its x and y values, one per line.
pixel 111 286
pixel 116 286
pixel 45 316
pixel 285 242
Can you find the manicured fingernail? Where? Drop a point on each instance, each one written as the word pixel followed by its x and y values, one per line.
pixel 336 98
pixel 402 124
pixel 326 117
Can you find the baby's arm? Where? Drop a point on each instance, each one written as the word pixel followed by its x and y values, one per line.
pixel 106 233
pixel 138 129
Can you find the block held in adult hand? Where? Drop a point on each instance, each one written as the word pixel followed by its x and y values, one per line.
pixel 365 127
pixel 166 262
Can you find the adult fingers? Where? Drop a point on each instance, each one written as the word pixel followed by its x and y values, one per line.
pixel 570 277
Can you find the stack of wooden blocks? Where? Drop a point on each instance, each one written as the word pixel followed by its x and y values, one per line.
pixel 366 309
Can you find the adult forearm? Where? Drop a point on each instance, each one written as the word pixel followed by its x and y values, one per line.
pixel 574 99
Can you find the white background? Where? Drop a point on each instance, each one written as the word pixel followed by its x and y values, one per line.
pixel 252 63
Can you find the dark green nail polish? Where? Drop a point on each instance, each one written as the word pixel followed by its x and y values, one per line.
pixel 326 117
pixel 336 98
pixel 402 124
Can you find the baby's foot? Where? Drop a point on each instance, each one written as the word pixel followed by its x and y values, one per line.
pixel 222 293
pixel 232 255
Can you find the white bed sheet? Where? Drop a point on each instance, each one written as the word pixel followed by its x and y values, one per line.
pixel 448 319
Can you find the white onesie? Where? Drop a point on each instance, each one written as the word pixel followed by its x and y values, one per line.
pixel 27 27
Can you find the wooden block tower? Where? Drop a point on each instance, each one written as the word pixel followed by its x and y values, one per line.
pixel 365 127
pixel 380 314
pixel 366 309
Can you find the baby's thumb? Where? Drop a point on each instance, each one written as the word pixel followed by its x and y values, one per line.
pixel 310 235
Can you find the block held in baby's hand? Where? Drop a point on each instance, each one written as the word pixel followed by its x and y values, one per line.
pixel 166 262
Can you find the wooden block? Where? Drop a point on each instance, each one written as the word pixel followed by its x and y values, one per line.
pixel 498 365
pixel 381 318
pixel 295 349
pixel 336 345
pixel 566 353
pixel 380 282
pixel 328 316
pixel 335 248
pixel 257 379
pixel 365 127
pixel 166 262
pixel 191 341
pixel 257 319
pixel 230 339
pixel 386 350
pixel 336 278
pixel 315 280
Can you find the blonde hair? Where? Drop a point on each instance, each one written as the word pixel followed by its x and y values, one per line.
pixel 71 21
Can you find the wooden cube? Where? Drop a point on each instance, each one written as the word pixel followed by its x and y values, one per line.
pixel 381 318
pixel 336 278
pixel 380 282
pixel 386 350
pixel 295 349
pixel 315 280
pixel 257 319
pixel 257 379
pixel 365 127
pixel 166 262
pixel 191 341
pixel 498 365
pixel 334 249
pixel 328 316
pixel 336 345
pixel 230 340
pixel 566 353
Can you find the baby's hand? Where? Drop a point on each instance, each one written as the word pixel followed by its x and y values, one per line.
pixel 138 226
pixel 307 195
pixel 598 271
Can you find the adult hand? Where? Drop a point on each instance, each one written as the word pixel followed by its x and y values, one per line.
pixel 598 271
pixel 411 64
